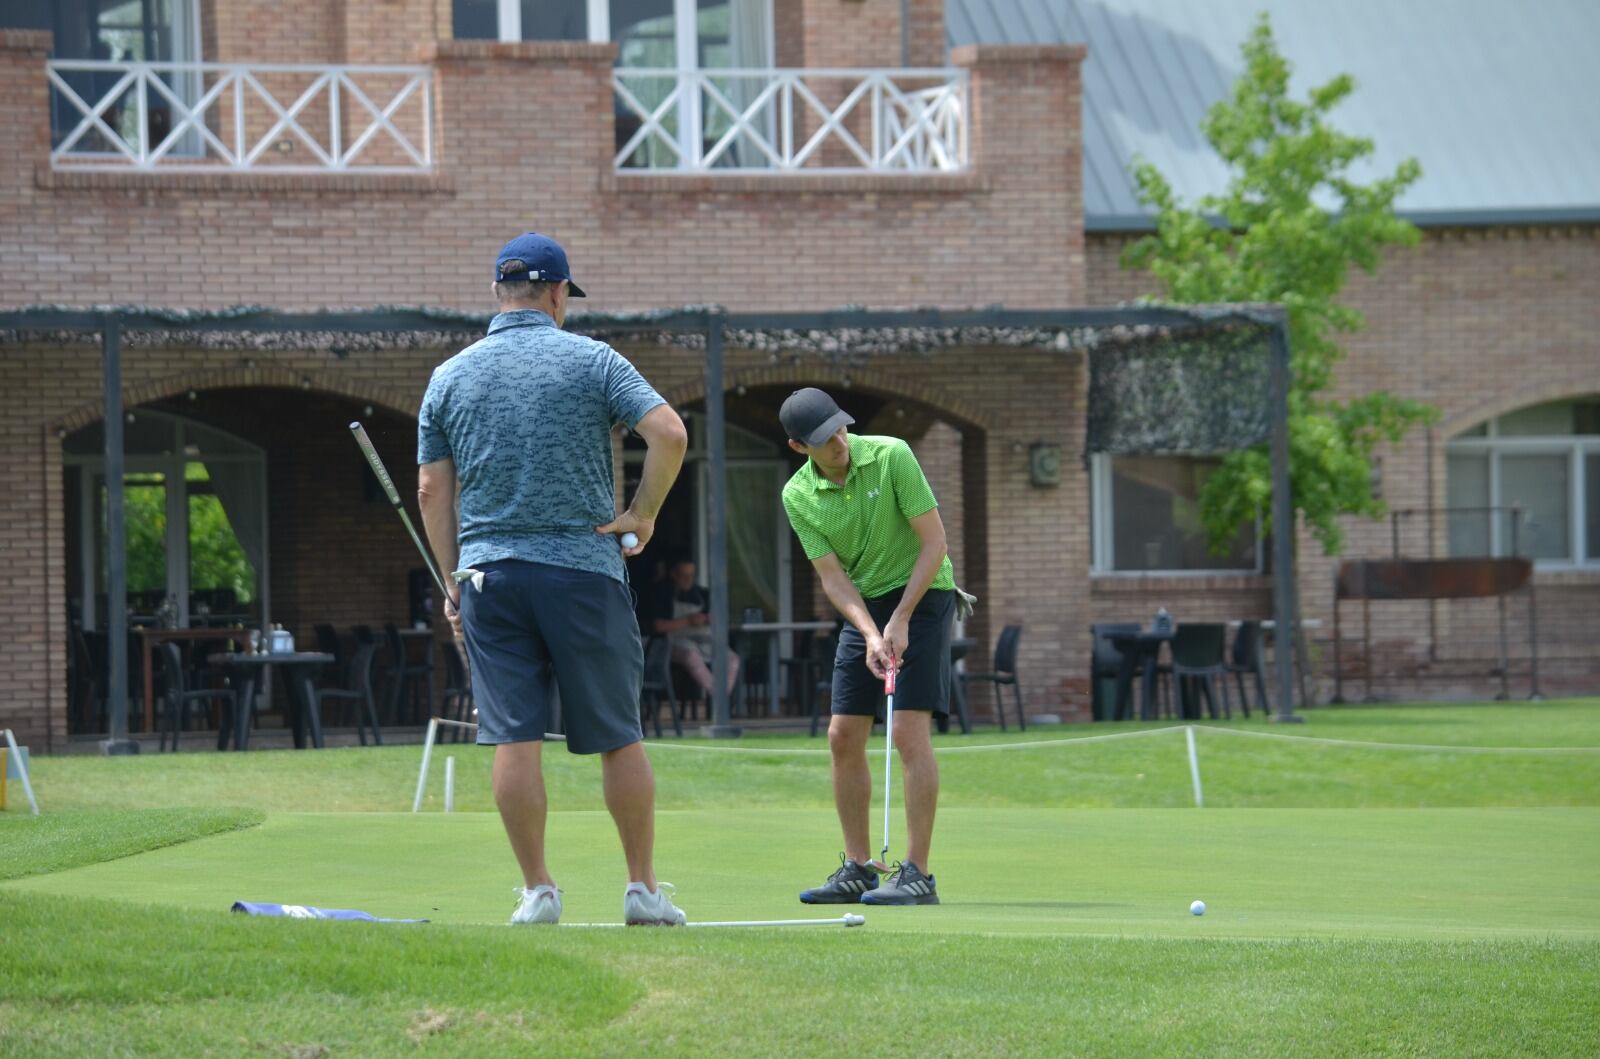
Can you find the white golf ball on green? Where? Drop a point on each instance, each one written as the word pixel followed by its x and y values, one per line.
pixel 630 540
pixel 1198 908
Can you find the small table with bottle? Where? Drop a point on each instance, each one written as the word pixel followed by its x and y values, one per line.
pixel 245 673
pixel 1140 651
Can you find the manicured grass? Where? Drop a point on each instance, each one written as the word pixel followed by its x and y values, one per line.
pixel 35 845
pixel 1392 901
pixel 1437 873
pixel 1145 772
pixel 163 982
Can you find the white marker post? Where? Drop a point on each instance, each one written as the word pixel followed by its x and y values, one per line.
pixel 1194 765
pixel 22 770
pixel 450 784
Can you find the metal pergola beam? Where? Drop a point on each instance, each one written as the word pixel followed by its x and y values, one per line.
pixel 712 323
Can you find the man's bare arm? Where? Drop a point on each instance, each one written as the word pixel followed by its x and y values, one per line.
pixel 436 496
pixel 666 441
pixel 844 595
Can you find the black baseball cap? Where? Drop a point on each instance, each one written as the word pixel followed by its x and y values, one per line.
pixel 811 416
pixel 535 257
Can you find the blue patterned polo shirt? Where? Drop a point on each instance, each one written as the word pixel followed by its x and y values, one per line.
pixel 526 414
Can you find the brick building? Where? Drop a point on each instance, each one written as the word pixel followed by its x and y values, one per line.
pixel 794 154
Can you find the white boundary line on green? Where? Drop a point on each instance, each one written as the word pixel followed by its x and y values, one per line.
pixel 1419 747
pixel 814 751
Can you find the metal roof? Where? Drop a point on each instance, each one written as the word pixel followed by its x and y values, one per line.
pixel 1496 101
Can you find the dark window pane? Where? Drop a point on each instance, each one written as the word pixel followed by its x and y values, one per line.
pixel 555 20
pixel 476 20
pixel 1537 485
pixel 1467 496
pixel 1155 512
pixel 1591 506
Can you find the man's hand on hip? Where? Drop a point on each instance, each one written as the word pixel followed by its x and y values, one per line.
pixel 628 522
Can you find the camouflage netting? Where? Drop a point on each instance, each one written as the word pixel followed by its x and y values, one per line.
pixel 1201 391
pixel 1198 383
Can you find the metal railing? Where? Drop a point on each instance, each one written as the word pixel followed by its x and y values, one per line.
pixel 811 121
pixel 167 117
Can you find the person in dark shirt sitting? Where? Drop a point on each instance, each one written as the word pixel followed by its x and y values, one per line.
pixel 680 610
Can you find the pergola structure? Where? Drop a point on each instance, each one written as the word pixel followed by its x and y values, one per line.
pixel 710 326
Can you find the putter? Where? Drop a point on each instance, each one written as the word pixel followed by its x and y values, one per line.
pixel 394 498
pixel 881 864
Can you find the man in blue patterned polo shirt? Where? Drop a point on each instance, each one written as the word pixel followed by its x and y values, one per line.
pixel 520 422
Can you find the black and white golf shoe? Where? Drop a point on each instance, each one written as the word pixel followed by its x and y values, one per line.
pixel 907 886
pixel 844 887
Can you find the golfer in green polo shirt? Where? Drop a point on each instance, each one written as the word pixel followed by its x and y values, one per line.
pixel 870 525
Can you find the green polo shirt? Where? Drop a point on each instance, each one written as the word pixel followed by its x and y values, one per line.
pixel 866 521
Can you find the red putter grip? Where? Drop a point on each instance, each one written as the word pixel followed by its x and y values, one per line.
pixel 888 678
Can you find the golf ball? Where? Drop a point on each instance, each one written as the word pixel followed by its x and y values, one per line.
pixel 630 540
pixel 1198 908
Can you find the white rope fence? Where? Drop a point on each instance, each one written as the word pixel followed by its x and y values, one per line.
pixel 1188 731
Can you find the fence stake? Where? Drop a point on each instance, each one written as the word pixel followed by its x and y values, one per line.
pixel 1194 765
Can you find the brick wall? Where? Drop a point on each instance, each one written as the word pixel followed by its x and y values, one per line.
pixel 1477 322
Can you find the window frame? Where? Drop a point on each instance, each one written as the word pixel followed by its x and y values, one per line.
pixel 1102 552
pixel 1575 447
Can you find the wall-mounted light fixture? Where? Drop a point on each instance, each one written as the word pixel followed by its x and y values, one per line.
pixel 1044 463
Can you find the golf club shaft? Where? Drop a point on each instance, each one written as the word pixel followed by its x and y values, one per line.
pixel 382 472
pixel 888 757
pixel 846 920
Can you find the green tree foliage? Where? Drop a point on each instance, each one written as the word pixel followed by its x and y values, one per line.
pixel 1268 238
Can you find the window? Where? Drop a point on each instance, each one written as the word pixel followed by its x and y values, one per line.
pixel 1146 518
pixel 1543 461
pixel 523 19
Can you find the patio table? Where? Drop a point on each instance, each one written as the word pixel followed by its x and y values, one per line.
pixel 772 629
pixel 245 673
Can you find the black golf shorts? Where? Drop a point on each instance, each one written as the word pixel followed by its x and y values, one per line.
pixel 923 682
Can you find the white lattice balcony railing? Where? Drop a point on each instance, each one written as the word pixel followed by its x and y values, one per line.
pixel 167 117
pixel 810 121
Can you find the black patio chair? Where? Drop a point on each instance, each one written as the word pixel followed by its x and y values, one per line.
pixel 404 675
pixel 1105 668
pixel 177 696
pixel 1005 672
pixel 456 704
pixel 357 691
pixel 1197 660
pixel 656 689
pixel 85 697
pixel 1246 658
pixel 823 648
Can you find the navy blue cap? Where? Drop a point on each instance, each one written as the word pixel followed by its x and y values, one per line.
pixel 535 257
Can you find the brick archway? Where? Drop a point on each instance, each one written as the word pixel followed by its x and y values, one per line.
pixel 1577 385
pixel 243 378
pixel 955 410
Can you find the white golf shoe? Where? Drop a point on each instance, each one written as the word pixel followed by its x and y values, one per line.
pixel 542 904
pixel 641 908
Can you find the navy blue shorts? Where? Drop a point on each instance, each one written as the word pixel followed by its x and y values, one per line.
pixel 923 682
pixel 536 630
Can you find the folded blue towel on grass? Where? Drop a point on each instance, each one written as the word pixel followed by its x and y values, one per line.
pixel 257 908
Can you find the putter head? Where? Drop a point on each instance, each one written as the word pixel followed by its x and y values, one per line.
pixel 878 865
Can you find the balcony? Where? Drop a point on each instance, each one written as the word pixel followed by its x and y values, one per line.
pixel 811 121
pixel 214 117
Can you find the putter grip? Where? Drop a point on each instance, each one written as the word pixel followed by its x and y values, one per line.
pixel 888 680
pixel 375 462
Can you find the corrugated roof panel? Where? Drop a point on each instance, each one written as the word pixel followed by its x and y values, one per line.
pixel 1496 102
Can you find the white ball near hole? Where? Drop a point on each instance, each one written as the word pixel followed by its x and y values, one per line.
pixel 1198 908
pixel 630 540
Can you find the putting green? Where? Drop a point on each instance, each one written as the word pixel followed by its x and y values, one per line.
pixel 1263 873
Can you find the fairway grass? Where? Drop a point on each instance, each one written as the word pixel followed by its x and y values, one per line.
pixel 1362 901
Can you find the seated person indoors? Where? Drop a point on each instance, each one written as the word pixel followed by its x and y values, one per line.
pixel 680 610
